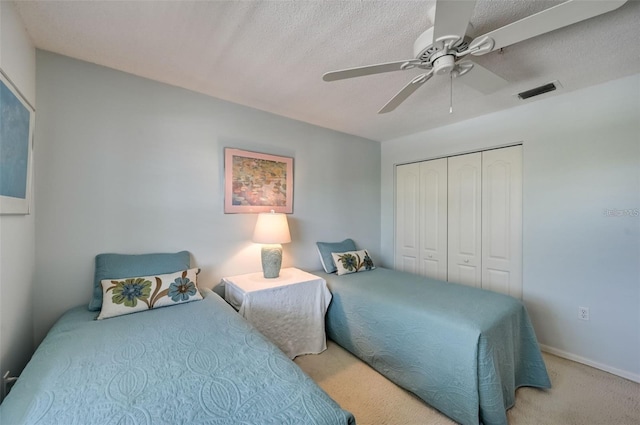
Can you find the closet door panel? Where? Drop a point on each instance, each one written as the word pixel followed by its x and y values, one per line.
pixel 433 218
pixel 502 220
pixel 464 229
pixel 407 219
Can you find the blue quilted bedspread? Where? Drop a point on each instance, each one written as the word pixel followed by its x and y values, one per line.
pixel 462 350
pixel 194 363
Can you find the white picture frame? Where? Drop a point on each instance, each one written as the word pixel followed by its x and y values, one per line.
pixel 17 118
pixel 257 182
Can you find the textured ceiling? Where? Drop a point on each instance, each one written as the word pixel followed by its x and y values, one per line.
pixel 271 55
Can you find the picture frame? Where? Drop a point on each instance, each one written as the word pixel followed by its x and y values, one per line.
pixel 17 118
pixel 257 182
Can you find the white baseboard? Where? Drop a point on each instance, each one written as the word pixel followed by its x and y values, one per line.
pixel 570 356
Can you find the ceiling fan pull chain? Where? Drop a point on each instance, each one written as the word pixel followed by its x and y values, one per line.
pixel 451 92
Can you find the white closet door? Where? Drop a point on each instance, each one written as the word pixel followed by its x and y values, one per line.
pixel 407 218
pixel 502 220
pixel 464 239
pixel 433 218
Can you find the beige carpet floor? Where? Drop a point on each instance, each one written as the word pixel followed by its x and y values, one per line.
pixel 581 395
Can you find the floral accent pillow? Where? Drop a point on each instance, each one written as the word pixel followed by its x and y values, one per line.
pixel 130 295
pixel 352 261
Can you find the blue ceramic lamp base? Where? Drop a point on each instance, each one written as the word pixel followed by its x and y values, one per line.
pixel 271 260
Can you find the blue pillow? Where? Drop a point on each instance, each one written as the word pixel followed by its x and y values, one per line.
pixel 119 266
pixel 326 248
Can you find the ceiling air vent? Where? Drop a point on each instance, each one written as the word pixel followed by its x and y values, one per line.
pixel 546 88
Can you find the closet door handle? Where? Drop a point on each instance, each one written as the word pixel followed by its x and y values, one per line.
pixel 466 261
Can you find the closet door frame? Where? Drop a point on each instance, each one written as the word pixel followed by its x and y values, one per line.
pixel 498 272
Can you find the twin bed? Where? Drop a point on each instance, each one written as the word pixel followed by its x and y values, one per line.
pixel 193 361
pixel 462 350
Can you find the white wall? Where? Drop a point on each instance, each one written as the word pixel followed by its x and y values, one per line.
pixel 581 156
pixel 17 257
pixel 130 165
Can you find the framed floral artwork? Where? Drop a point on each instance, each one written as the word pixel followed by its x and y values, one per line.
pixel 16 138
pixel 257 182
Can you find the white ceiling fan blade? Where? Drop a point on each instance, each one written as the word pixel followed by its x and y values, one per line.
pixel 369 70
pixel 406 91
pixel 481 79
pixel 562 15
pixel 452 17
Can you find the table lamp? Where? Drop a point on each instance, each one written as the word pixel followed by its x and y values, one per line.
pixel 271 231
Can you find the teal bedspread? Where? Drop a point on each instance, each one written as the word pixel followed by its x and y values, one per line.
pixel 194 363
pixel 463 350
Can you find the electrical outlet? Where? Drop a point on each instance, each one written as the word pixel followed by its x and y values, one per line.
pixel 7 383
pixel 583 313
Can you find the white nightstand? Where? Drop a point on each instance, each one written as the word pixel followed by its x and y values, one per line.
pixel 289 309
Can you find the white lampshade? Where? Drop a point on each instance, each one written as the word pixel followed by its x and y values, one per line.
pixel 271 228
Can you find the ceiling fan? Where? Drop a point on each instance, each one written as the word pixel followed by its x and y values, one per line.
pixel 441 49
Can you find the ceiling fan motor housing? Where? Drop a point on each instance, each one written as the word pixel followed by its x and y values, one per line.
pixel 444 64
pixel 440 53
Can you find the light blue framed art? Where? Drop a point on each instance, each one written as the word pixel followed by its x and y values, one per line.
pixel 16 144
